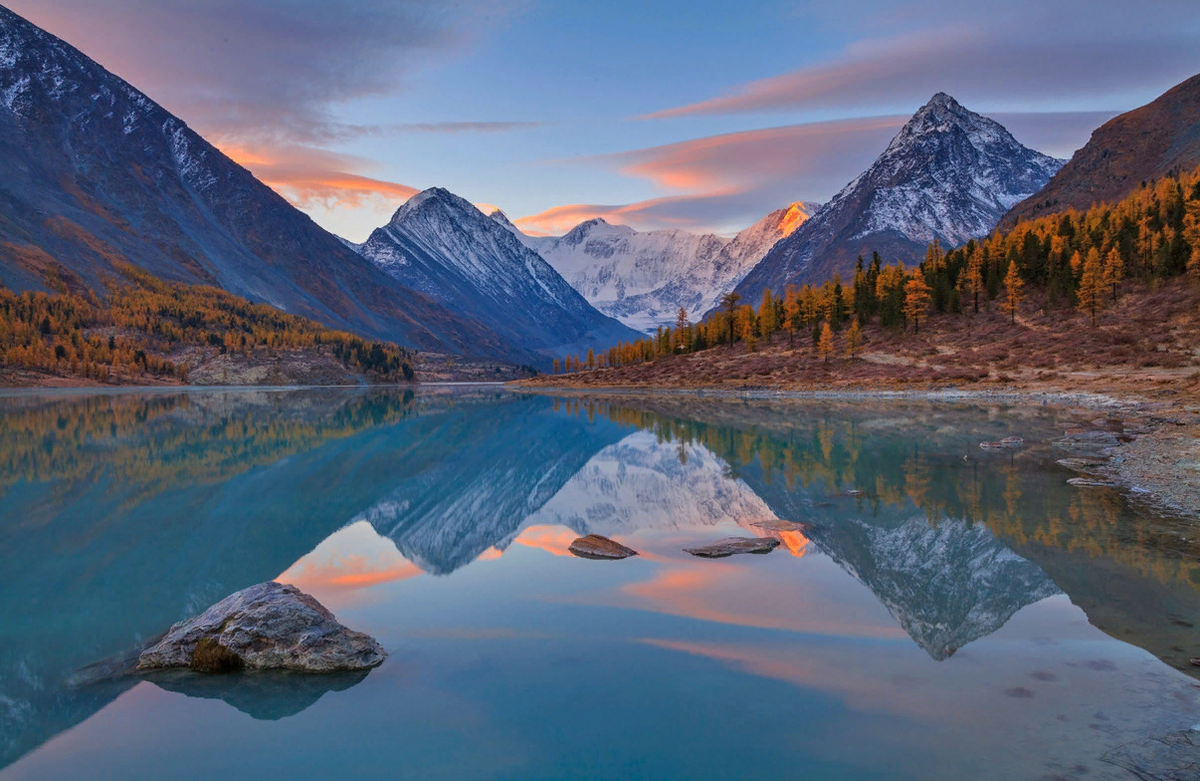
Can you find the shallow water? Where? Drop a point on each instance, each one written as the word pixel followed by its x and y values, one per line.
pixel 968 615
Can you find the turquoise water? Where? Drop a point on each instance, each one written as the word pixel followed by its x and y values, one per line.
pixel 967 615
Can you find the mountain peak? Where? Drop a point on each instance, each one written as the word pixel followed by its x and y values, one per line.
pixel 433 198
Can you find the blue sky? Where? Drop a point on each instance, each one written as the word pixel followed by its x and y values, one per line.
pixel 703 115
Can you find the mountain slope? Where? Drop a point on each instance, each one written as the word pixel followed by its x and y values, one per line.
pixel 95 173
pixel 444 247
pixel 643 278
pixel 949 174
pixel 1156 140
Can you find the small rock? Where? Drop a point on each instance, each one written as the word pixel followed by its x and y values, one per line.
pixel 853 492
pixel 1195 660
pixel 1085 465
pixel 264 627
pixel 1012 441
pixel 731 545
pixel 1087 482
pixel 1007 443
pixel 1092 438
pixel 594 546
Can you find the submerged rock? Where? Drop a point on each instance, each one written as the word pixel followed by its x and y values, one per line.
pixel 731 545
pixel 1171 757
pixel 1088 482
pixel 779 525
pixel 1008 443
pixel 594 546
pixel 264 627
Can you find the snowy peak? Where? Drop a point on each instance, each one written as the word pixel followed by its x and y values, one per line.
pixel 643 278
pixel 442 245
pixel 948 174
pixel 501 219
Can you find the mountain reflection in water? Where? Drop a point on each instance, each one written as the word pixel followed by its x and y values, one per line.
pixel 123 513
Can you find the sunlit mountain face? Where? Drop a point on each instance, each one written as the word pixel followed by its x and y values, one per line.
pixel 922 585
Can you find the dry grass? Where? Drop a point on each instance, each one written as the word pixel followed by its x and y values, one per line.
pixel 1147 342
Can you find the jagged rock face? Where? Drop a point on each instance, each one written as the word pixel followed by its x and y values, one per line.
pixel 949 174
pixel 96 173
pixel 268 626
pixel 1156 140
pixel 444 247
pixel 642 279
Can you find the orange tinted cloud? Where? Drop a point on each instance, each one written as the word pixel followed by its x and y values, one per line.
pixel 552 539
pixel 348 572
pixel 307 176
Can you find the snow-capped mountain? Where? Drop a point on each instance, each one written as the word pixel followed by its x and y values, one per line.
pixel 946 583
pixel 642 279
pixel 643 482
pixel 949 174
pixel 441 245
pixel 95 173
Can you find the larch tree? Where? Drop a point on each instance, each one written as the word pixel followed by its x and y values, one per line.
pixel 1191 234
pixel 1091 284
pixel 746 326
pixel 557 366
pixel 1014 288
pixel 766 315
pixel 854 339
pixel 916 300
pixel 825 345
pixel 1114 270
pixel 973 284
pixel 729 302
pixel 591 359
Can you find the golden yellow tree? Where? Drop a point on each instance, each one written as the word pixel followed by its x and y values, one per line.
pixel 916 300
pixel 766 315
pixel 973 279
pixel 1114 271
pixel 1013 291
pixel 1191 234
pixel 746 326
pixel 825 345
pixel 591 359
pixel 1091 284
pixel 854 339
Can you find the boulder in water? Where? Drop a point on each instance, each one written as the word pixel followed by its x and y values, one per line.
pixel 594 546
pixel 270 626
pixel 731 545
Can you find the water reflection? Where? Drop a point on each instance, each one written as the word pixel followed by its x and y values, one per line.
pixel 124 513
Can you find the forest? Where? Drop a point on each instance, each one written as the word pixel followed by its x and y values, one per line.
pixel 1073 264
pixel 143 329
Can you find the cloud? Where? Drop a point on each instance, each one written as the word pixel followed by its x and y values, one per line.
pixel 261 69
pixel 464 127
pixel 969 60
pixel 726 182
pixel 309 177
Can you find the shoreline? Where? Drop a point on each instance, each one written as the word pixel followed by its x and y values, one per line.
pixel 1158 464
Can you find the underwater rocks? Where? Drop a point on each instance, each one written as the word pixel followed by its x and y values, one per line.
pixel 731 545
pixel 594 546
pixel 270 626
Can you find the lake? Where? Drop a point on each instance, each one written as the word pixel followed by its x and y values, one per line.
pixel 945 612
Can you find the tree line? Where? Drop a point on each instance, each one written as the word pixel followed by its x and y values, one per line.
pixel 142 319
pixel 1072 261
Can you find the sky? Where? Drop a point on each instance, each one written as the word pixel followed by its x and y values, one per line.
pixel 703 115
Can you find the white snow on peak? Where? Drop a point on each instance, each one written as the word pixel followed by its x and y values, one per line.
pixel 643 278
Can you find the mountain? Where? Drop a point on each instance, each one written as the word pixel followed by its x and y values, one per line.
pixel 1156 140
pixel 444 247
pixel 96 174
pixel 643 278
pixel 949 174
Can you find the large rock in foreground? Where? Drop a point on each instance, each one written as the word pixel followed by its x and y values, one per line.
pixel 270 626
pixel 594 546
pixel 731 545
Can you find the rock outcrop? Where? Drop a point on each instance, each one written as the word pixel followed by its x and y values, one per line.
pixel 270 626
pixel 731 545
pixel 593 546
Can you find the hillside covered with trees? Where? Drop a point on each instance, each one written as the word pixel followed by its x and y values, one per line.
pixel 1073 293
pixel 146 331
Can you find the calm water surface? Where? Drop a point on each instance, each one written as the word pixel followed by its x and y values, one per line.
pixel 969 615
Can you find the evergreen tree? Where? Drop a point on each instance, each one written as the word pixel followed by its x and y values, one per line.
pixel 729 302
